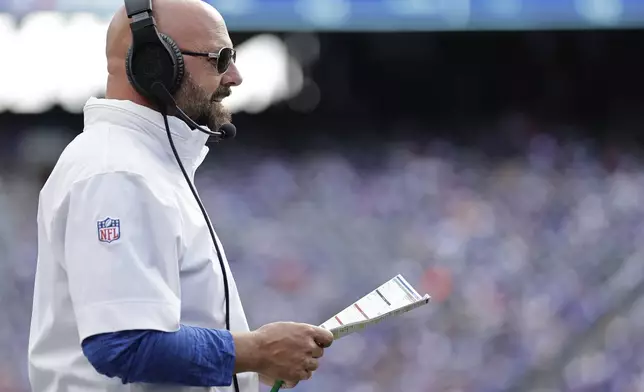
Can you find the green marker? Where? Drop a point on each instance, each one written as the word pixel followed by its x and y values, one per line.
pixel 276 387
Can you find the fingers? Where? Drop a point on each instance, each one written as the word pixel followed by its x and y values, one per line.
pixel 305 375
pixel 311 365
pixel 294 350
pixel 317 351
pixel 322 337
pixel 290 384
pixel 306 371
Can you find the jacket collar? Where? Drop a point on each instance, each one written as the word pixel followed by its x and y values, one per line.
pixel 190 144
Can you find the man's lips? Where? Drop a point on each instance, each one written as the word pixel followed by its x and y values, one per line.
pixel 220 98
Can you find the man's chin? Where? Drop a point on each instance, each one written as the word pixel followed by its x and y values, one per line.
pixel 222 114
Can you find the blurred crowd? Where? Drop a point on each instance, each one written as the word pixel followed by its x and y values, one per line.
pixel 533 263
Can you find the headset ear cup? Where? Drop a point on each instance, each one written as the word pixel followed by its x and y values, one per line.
pixel 128 72
pixel 179 62
pixel 155 62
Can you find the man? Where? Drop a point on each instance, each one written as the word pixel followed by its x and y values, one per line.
pixel 127 297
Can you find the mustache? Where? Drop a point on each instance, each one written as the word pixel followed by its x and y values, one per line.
pixel 221 93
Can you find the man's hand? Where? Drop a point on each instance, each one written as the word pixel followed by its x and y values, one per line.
pixel 290 351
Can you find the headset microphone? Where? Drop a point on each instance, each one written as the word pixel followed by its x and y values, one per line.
pixel 228 130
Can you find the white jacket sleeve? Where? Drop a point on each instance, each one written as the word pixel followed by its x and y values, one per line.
pixel 121 255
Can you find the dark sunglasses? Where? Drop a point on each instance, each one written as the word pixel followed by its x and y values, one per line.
pixel 224 58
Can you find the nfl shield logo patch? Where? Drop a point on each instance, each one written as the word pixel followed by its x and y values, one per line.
pixel 109 230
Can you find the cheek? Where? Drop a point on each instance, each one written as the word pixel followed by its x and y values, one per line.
pixel 204 75
pixel 213 85
pixel 208 84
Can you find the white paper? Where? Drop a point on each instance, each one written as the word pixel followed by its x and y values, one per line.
pixel 394 297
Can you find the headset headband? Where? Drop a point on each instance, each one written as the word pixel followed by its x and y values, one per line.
pixel 134 7
pixel 140 13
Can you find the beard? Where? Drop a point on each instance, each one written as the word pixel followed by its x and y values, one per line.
pixel 202 108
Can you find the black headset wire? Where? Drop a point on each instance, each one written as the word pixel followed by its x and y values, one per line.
pixel 211 229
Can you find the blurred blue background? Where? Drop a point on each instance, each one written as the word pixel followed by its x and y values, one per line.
pixel 499 171
pixel 391 15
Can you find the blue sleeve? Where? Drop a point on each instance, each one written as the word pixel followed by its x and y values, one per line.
pixel 190 357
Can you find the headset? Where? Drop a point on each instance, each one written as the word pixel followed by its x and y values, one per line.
pixel 155 68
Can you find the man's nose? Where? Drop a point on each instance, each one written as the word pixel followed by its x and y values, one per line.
pixel 232 77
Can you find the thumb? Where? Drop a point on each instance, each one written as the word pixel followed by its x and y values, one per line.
pixel 323 337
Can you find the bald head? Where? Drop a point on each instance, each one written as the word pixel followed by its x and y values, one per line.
pixel 195 26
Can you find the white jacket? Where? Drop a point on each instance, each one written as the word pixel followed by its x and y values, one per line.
pixel 122 245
